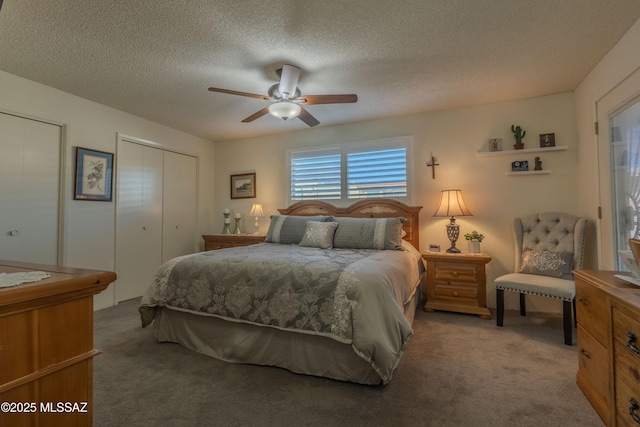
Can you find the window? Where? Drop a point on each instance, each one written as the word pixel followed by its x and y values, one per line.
pixel 352 171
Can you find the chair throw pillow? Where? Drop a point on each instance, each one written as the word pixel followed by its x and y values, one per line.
pixel 319 234
pixel 547 263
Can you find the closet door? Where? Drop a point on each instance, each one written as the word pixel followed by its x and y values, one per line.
pixel 139 218
pixel 179 205
pixel 29 189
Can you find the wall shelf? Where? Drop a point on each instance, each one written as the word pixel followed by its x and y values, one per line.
pixel 523 151
pixel 534 172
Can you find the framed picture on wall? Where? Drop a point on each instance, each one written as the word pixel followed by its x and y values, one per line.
pixel 94 175
pixel 243 186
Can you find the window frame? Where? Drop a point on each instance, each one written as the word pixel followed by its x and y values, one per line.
pixel 344 149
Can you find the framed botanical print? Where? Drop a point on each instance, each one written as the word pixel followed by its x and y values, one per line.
pixel 94 175
pixel 243 186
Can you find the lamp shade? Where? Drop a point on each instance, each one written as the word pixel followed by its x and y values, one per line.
pixel 256 211
pixel 452 204
pixel 284 109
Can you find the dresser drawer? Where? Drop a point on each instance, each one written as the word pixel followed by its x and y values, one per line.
pixel 626 331
pixel 455 273
pixel 592 358
pixel 627 397
pixel 592 311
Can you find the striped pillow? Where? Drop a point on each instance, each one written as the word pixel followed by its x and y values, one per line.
pixel 368 233
pixel 289 229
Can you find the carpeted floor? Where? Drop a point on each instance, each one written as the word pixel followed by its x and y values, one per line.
pixel 458 370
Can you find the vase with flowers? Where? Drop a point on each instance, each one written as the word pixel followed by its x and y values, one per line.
pixel 473 241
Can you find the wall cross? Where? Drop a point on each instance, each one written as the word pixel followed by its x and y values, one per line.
pixel 433 164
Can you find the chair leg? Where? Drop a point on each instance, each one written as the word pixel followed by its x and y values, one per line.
pixel 575 316
pixel 523 306
pixel 566 320
pixel 499 306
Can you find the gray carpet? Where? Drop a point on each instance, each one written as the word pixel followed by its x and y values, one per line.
pixel 458 370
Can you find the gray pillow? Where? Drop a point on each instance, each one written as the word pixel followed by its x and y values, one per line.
pixel 289 229
pixel 368 233
pixel 319 234
pixel 547 263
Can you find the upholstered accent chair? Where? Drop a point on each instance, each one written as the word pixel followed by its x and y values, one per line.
pixel 548 246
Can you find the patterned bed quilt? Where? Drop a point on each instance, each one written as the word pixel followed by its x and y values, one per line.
pixel 354 296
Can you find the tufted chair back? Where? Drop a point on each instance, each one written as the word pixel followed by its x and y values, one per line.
pixel 551 231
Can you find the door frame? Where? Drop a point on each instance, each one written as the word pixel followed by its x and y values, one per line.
pixel 619 98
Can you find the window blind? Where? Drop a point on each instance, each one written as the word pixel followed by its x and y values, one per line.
pixel 316 177
pixel 380 173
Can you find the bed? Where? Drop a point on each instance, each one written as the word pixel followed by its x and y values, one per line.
pixel 331 293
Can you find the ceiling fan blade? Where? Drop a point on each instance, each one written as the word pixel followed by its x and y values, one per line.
pixel 328 99
pixel 307 118
pixel 235 92
pixel 256 115
pixel 288 81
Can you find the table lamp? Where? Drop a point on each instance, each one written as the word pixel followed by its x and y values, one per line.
pixel 452 205
pixel 256 212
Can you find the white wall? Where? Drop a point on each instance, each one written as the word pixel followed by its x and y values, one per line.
pixel 89 227
pixel 453 136
pixel 619 63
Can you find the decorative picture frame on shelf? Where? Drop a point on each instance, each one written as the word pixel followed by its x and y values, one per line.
pixel 547 140
pixel 94 175
pixel 495 144
pixel 243 186
pixel 520 166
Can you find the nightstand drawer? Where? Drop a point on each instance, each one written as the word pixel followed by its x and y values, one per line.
pixel 455 273
pixel 456 291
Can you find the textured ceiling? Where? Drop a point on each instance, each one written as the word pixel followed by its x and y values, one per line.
pixel 156 58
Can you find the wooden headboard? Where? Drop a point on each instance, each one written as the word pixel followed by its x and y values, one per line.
pixel 367 208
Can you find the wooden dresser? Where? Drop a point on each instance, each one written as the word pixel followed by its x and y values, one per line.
pixel 46 346
pixel 221 241
pixel 457 282
pixel 608 315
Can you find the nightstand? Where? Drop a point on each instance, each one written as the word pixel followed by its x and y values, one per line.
pixel 457 282
pixel 222 241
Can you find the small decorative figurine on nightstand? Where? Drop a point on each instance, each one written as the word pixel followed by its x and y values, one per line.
pixel 227 222
pixel 538 166
pixel 518 134
pixel 473 241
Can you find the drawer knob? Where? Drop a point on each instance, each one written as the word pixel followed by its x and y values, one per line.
pixel 633 407
pixel 585 353
pixel 583 302
pixel 631 342
pixel 455 293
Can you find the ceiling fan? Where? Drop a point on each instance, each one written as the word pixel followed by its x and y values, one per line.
pixel 286 99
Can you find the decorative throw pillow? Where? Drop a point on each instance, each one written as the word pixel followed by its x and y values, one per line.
pixel 368 233
pixel 319 234
pixel 289 229
pixel 547 263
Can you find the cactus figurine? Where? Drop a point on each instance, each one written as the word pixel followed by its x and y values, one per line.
pixel 518 134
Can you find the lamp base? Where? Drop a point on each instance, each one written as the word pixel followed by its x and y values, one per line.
pixel 453 232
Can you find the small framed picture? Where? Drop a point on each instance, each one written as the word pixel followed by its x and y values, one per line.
pixel 94 175
pixel 243 186
pixel 520 166
pixel 547 140
pixel 495 144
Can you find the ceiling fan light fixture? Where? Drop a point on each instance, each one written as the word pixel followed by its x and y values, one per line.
pixel 284 109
